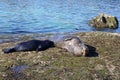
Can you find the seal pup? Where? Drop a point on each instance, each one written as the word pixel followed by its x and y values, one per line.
pixel 73 45
pixel 31 45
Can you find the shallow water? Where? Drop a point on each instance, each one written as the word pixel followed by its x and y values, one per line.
pixel 53 16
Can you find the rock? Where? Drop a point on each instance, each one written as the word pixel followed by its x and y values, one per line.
pixel 104 21
pixel 73 45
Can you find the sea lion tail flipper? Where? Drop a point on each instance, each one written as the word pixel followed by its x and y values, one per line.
pixel 8 50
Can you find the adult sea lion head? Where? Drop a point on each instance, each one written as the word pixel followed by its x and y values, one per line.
pixel 75 46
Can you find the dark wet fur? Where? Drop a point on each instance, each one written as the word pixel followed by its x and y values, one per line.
pixel 8 50
pixel 92 52
pixel 32 45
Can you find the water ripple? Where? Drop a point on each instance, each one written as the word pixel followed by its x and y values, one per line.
pixel 52 16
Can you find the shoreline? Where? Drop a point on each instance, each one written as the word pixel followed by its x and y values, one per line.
pixel 5 38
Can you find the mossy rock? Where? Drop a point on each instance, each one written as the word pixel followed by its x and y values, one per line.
pixel 104 21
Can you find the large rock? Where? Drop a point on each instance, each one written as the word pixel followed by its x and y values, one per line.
pixel 104 21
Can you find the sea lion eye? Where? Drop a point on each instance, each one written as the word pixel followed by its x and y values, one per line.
pixel 67 39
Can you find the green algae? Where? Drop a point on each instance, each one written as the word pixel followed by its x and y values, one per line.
pixel 104 21
pixel 56 64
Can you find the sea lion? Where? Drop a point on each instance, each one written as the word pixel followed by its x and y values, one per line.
pixel 73 45
pixel 31 45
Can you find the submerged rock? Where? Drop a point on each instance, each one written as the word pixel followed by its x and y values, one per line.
pixel 104 21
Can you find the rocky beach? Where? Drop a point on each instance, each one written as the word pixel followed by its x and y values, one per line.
pixel 95 46
pixel 102 63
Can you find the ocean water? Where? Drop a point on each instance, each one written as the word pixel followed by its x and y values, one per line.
pixel 53 16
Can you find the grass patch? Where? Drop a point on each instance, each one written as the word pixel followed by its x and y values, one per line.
pixel 56 64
